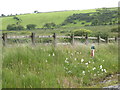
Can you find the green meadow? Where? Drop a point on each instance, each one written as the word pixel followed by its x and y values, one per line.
pixel 65 66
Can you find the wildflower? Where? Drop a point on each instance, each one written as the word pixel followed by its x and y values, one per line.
pixel 88 71
pixel 80 52
pixel 23 75
pixel 49 55
pixel 100 66
pixel 65 68
pixel 46 61
pixel 83 72
pixel 69 71
pixel 53 54
pixel 82 60
pixel 103 60
pixel 42 81
pixel 72 54
pixel 86 63
pixel 66 61
pixel 77 52
pixel 94 74
pixel 75 59
pixel 102 70
pixel 105 70
pixel 89 61
pixel 94 68
pixel 97 71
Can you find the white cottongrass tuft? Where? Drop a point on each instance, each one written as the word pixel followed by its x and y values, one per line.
pixel 83 72
pixel 94 68
pixel 75 59
pixel 86 63
pixel 69 71
pixel 104 70
pixel 100 66
pixel 46 61
pixel 82 60
pixel 89 61
pixel 53 54
pixel 66 59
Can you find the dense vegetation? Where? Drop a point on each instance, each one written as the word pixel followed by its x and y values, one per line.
pixel 65 66
pixel 100 17
pixel 61 67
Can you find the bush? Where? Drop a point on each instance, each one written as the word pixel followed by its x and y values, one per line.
pixel 31 26
pixel 49 25
pixel 81 32
pixel 15 27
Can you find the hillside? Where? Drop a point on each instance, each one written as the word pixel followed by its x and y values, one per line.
pixel 75 18
pixel 41 18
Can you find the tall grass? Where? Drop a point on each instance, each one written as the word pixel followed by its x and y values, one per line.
pixel 61 67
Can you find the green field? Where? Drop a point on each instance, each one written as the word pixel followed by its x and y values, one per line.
pixel 41 18
pixel 61 67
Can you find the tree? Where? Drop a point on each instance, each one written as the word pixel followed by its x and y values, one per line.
pixel 31 26
pixel 35 11
pixel 3 15
pixel 17 19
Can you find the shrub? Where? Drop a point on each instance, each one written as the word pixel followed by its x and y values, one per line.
pixel 31 26
pixel 49 25
pixel 15 27
pixel 81 32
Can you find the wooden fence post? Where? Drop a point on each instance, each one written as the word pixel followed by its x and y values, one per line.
pixel 33 38
pixel 72 39
pixel 54 39
pixel 107 40
pixel 4 37
pixel 86 38
pixel 98 39
pixel 116 39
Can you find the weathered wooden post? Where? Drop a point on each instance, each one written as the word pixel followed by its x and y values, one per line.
pixel 107 39
pixel 72 39
pixel 98 39
pixel 33 38
pixel 54 39
pixel 86 38
pixel 4 37
pixel 116 39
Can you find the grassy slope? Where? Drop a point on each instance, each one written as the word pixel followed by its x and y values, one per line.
pixel 41 18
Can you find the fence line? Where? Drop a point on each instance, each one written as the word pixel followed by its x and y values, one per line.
pixel 54 36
